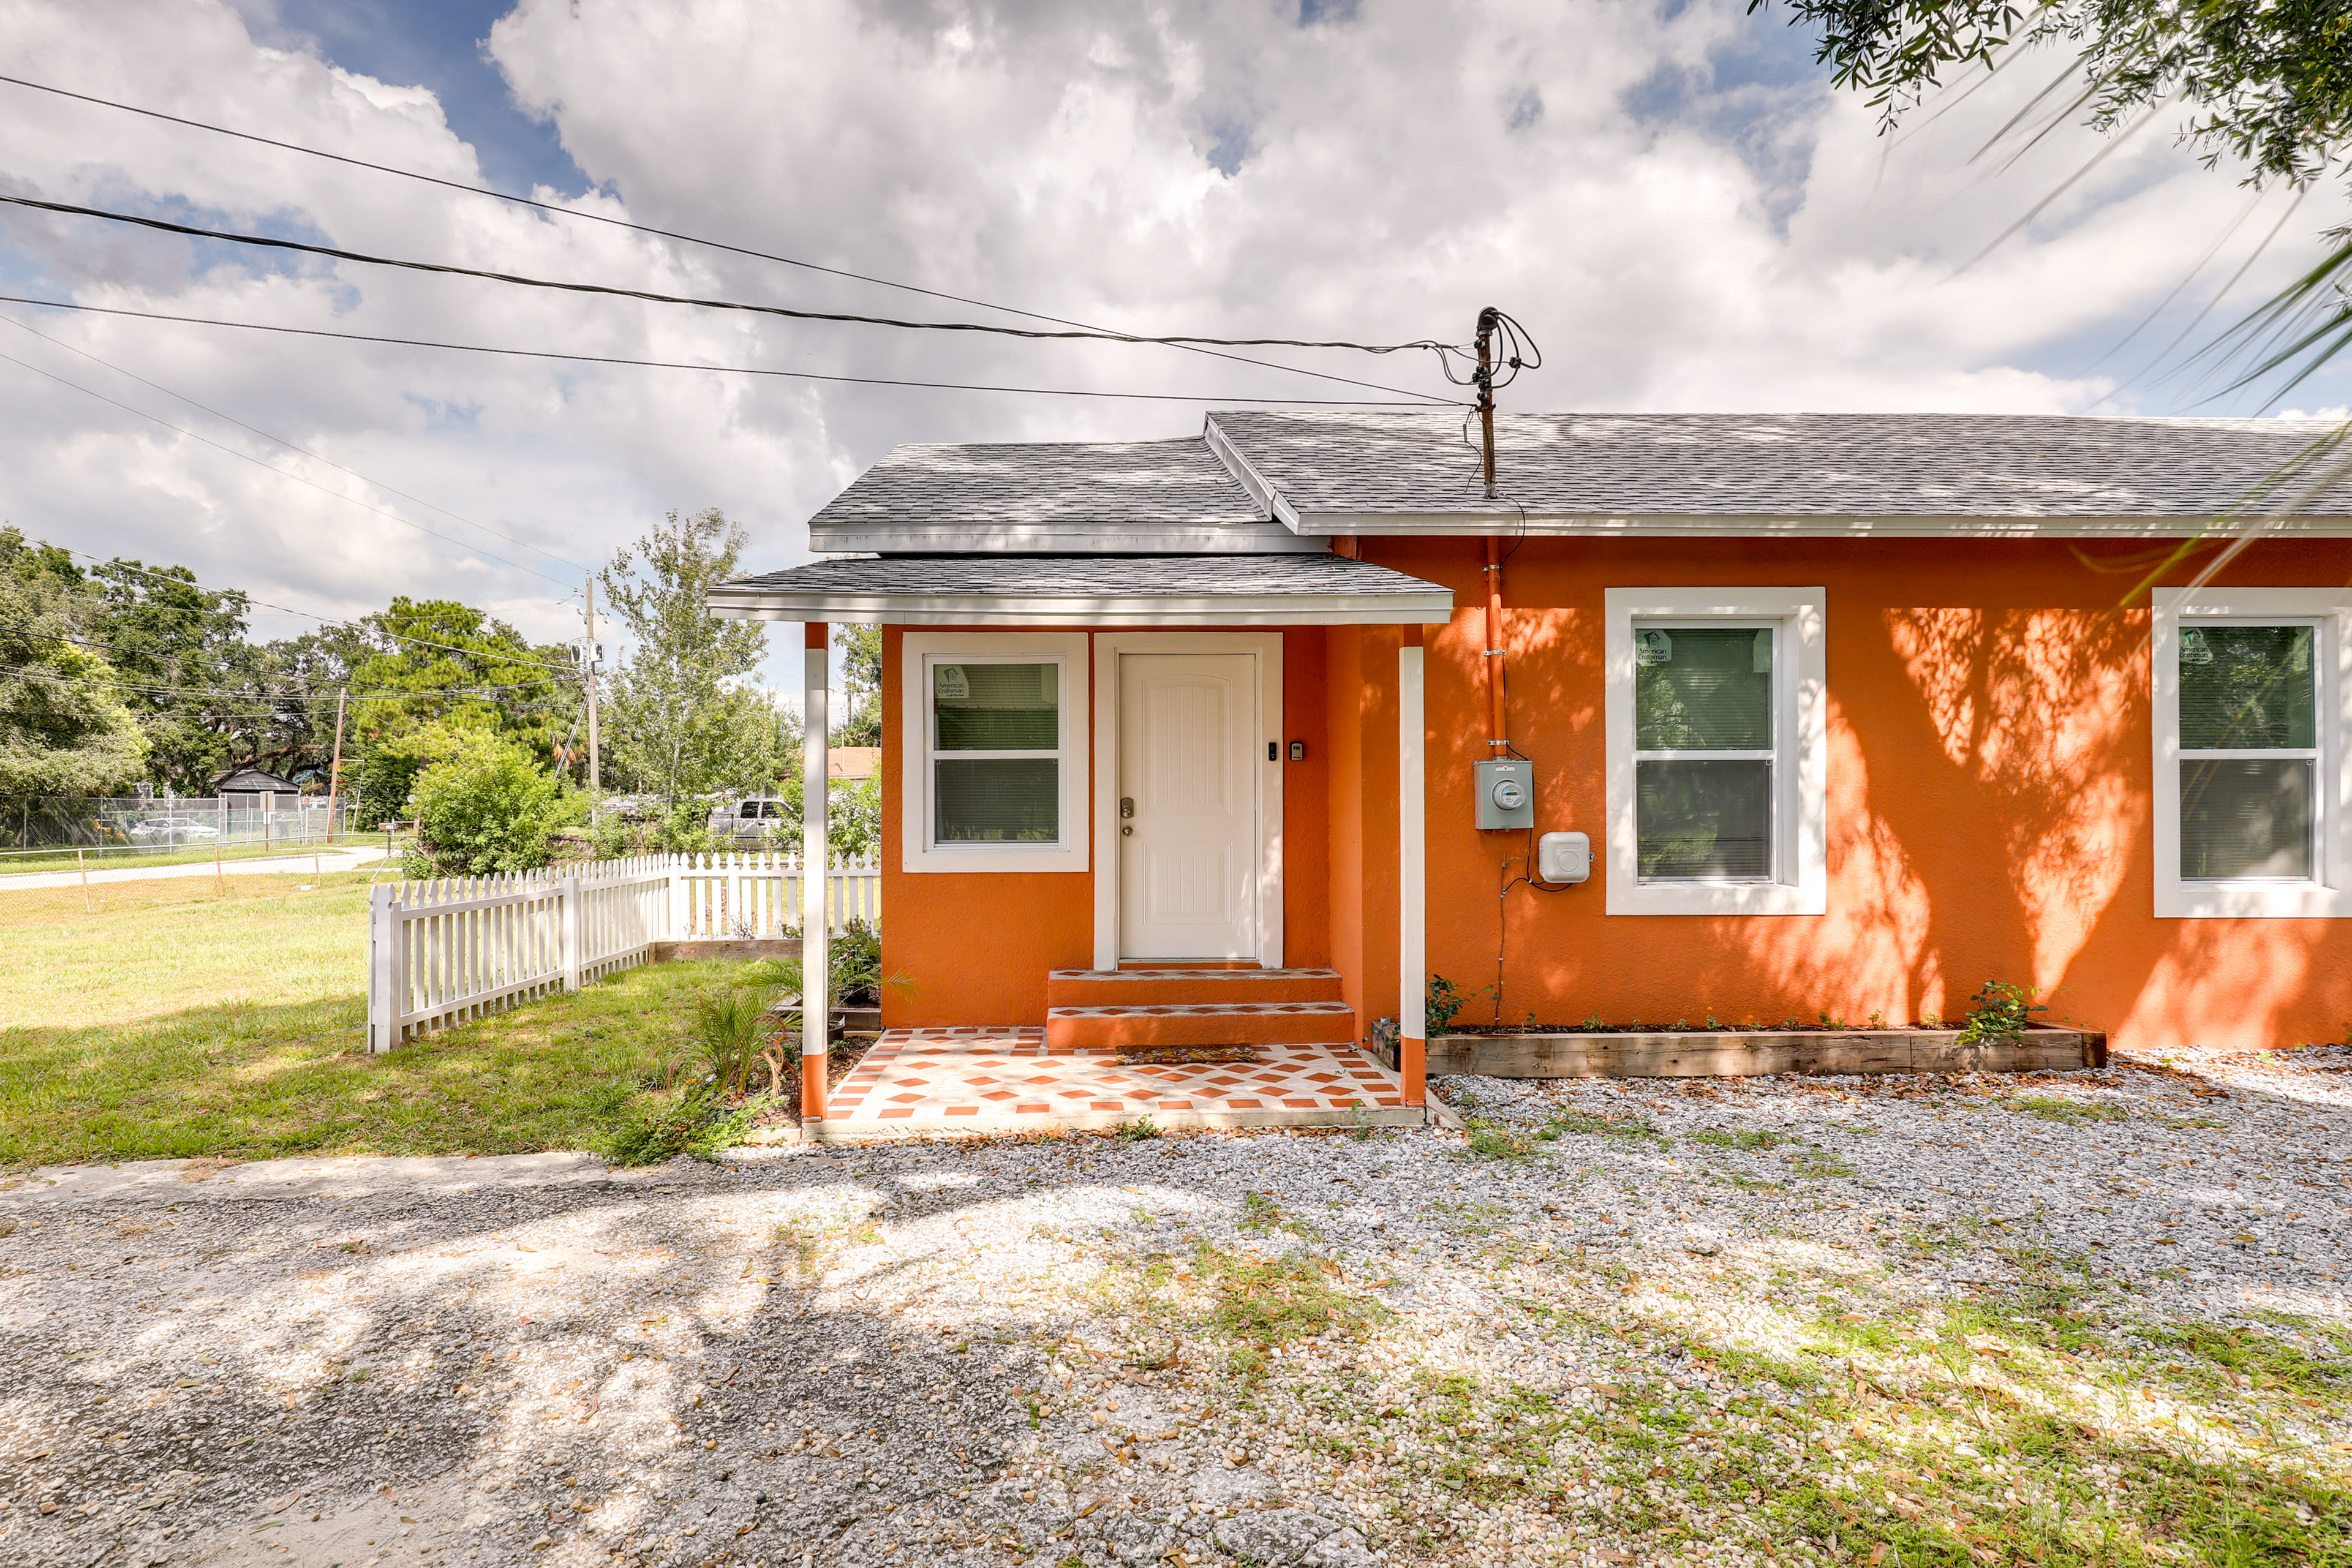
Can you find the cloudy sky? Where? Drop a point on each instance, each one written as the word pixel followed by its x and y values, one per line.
pixel 1670 196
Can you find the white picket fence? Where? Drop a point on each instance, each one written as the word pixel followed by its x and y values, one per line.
pixel 441 952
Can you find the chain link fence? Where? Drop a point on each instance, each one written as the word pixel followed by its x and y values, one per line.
pixel 101 827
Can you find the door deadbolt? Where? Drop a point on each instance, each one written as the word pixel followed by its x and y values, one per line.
pixel 1126 805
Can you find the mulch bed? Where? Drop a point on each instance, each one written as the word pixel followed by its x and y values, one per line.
pixel 1186 1055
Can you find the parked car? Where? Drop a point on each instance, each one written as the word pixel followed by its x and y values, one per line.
pixel 173 829
pixel 759 819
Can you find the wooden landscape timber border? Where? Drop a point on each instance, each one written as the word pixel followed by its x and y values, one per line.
pixel 1716 1053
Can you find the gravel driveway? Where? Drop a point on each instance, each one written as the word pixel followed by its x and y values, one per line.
pixel 1785 1319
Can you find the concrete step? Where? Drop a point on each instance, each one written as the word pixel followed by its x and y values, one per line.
pixel 1212 1023
pixel 1176 986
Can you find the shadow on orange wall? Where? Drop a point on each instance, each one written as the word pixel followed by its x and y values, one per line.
pixel 1988 804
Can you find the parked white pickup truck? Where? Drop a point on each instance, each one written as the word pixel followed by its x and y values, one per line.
pixel 758 821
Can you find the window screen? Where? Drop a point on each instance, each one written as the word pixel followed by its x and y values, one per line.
pixel 1703 753
pixel 997 733
pixel 2249 752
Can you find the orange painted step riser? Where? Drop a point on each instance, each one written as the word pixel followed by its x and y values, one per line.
pixel 1191 990
pixel 1196 1029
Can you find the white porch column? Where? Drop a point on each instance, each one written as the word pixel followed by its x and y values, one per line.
pixel 816 946
pixel 1413 878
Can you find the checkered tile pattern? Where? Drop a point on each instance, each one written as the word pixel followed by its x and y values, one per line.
pixel 941 1080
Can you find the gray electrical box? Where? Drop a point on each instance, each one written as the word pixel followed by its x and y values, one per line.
pixel 1506 794
pixel 1563 857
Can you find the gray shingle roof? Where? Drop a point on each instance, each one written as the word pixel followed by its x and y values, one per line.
pixel 1082 494
pixel 1037 589
pixel 1775 465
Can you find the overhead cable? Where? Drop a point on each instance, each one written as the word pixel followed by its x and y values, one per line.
pixel 251 694
pixel 691 365
pixel 289 445
pixel 554 210
pixel 789 313
pixel 118 655
pixel 281 473
pixel 123 565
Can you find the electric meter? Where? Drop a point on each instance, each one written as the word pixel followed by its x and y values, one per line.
pixel 1505 795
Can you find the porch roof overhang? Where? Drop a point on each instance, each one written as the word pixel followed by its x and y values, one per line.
pixel 1089 590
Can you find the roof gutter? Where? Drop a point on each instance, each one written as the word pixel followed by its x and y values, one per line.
pixel 1434 608
pixel 1691 525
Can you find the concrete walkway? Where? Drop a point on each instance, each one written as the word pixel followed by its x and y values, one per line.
pixel 323 861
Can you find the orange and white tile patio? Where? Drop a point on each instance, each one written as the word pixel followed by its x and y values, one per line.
pixel 926 1082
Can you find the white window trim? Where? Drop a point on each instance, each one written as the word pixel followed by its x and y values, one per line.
pixel 918 653
pixel 1800 725
pixel 1268 647
pixel 2329 894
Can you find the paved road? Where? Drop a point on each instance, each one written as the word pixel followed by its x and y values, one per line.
pixel 325 860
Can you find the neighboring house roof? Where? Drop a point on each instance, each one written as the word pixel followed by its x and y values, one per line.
pixel 853 761
pixel 1079 590
pixel 1043 496
pixel 1366 472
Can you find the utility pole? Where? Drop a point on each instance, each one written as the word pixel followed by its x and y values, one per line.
pixel 1485 383
pixel 589 661
pixel 1498 745
pixel 335 769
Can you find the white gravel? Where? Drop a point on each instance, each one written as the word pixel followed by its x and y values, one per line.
pixel 931 1353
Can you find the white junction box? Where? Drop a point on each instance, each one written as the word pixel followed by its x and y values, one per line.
pixel 1505 795
pixel 1563 857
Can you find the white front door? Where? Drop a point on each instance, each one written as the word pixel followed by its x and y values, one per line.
pixel 1188 805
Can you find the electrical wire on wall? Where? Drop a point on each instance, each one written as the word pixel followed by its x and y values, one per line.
pixel 1518 351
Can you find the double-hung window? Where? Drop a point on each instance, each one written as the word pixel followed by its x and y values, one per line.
pixel 997 779
pixel 2249 730
pixel 997 752
pixel 1703 751
pixel 1715 722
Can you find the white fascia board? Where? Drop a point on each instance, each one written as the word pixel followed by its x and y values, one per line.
pixel 1602 525
pixel 1261 488
pixel 1134 610
pixel 1223 538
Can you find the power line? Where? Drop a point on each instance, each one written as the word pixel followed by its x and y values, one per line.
pixel 552 210
pixel 271 467
pixel 787 311
pixel 289 445
pixel 120 655
pixel 684 365
pixel 361 626
pixel 159 688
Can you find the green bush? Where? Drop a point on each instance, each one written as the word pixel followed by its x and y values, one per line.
pixel 2003 1012
pixel 388 771
pixel 1443 1001
pixel 684 829
pixel 485 809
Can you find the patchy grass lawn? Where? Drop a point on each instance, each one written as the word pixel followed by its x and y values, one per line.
pixel 176 1022
pixel 1758 1410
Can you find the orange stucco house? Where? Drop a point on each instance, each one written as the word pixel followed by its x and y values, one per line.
pixel 1855 713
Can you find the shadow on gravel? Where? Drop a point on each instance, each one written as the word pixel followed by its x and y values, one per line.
pixel 536 1376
